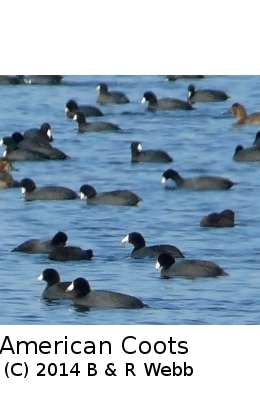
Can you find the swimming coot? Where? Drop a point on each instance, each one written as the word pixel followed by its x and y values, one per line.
pixel 14 153
pixel 198 183
pixel 141 250
pixel 106 97
pixel 205 95
pixel 55 289
pixel 89 111
pixel 112 198
pixel 190 269
pixel 84 297
pixel 42 134
pixel 42 246
pixel 249 154
pixel 101 126
pixel 70 253
pixel 154 156
pixel 37 146
pixel 31 192
pixel 164 104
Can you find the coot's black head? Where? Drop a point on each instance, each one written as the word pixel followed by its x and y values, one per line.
pixel 18 137
pixel 239 148
pixel 45 129
pixel 103 88
pixel 136 147
pixel 164 260
pixel 60 239
pixel 170 174
pixel 71 105
pixel 50 275
pixel 79 117
pixel 9 142
pixel 87 191
pixel 150 97
pixel 27 185
pixel 191 89
pixel 88 254
pixel 80 287
pixel 136 239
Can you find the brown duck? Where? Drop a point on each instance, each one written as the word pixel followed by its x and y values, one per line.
pixel 239 111
pixel 6 179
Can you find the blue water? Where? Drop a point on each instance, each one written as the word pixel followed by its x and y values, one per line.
pixel 200 141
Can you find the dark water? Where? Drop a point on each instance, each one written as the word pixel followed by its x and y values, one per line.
pixel 200 141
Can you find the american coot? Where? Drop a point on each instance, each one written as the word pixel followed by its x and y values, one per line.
pixel 54 290
pixel 84 297
pixel 14 153
pixel 89 111
pixel 164 104
pixel 224 219
pixel 190 269
pixel 105 96
pixel 12 80
pixel 101 126
pixel 70 253
pixel 176 77
pixel 40 246
pixel 31 192
pixel 141 250
pixel 249 154
pixel 44 79
pixel 199 183
pixel 6 179
pixel 206 95
pixel 239 111
pixel 156 156
pixel 41 147
pixel 43 133
pixel 112 198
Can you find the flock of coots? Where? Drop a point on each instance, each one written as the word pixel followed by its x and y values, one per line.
pixel 35 144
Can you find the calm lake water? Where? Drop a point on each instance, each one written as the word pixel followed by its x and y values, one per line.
pixel 201 141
